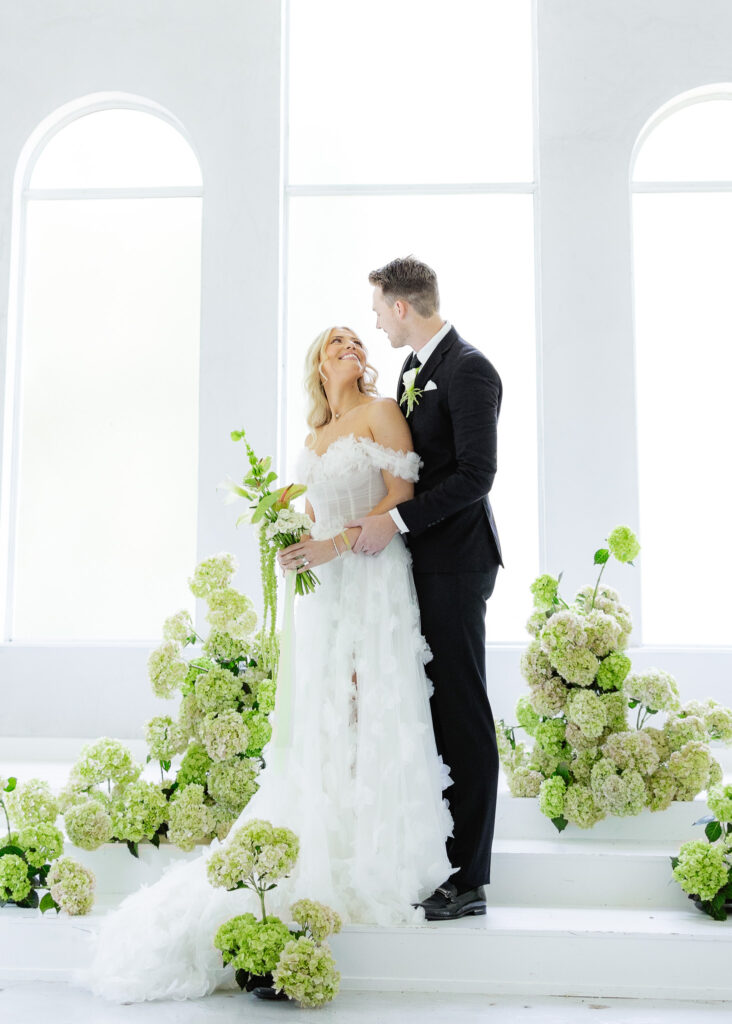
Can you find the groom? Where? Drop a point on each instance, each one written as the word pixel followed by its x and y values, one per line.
pixel 452 536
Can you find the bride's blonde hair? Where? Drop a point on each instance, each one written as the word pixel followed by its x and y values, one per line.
pixel 319 411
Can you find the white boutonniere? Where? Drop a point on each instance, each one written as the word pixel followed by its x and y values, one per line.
pixel 412 393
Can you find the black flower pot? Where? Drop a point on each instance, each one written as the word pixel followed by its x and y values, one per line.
pixel 248 982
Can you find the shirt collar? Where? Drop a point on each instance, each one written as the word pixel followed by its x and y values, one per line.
pixel 426 351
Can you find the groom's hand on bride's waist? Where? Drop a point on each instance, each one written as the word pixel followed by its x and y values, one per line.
pixel 376 532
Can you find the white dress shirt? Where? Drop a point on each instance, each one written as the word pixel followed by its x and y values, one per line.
pixel 423 355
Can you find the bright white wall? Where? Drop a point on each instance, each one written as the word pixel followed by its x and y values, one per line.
pixel 603 68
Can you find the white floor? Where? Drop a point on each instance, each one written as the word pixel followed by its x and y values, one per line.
pixel 31 1002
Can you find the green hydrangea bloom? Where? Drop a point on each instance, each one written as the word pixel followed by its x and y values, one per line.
pixel 105 759
pixel 218 690
pixel 715 772
pixel 550 736
pixel 32 802
pixel 623 544
pixel 542 761
pixel 582 763
pixel 655 689
pixel 233 783
pixel 194 767
pixel 544 588
pixel 166 669
pixel 88 825
pixel 524 782
pixel 231 612
pixel 616 711
pixel 535 664
pixel 702 870
pixel 565 640
pixel 690 768
pixel 603 632
pixel 612 671
pixel 660 741
pixel 190 819
pixel 164 738
pixel 535 623
pixel 14 882
pixel 224 735
pixel 72 886
pixel 586 710
pixel 256 945
pixel 190 717
pixel 319 919
pixel 256 849
pixel 179 627
pixel 718 720
pixel 551 796
pixel 265 696
pixel 680 731
pixel 213 574
pixel 661 788
pixel 549 697
pixel 580 807
pixel 623 793
pixel 307 972
pixel 634 750
pixel 260 731
pixel 578 741
pixel 41 843
pixel 526 717
pixel 224 647
pixel 139 812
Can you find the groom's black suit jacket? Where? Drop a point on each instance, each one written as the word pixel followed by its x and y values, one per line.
pixel 450 520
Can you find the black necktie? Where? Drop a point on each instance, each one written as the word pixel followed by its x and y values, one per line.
pixel 413 361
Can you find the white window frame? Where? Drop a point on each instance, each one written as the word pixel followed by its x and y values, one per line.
pixel 24 193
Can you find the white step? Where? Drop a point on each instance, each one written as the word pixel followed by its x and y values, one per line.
pixel 524 873
pixel 527 951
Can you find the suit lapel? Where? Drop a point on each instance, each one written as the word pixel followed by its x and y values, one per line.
pixel 426 371
pixel 400 385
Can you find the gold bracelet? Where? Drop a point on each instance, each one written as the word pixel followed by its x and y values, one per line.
pixel 346 540
pixel 336 547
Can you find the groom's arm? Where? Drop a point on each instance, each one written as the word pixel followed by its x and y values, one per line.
pixel 474 397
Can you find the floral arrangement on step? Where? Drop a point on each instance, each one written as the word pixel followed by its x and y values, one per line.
pixel 266 953
pixel 588 760
pixel 703 867
pixel 30 856
pixel 226 689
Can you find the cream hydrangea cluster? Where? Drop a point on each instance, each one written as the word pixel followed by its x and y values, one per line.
pixel 307 973
pixel 71 886
pixel 587 761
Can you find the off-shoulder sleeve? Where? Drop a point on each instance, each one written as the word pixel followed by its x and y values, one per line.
pixel 405 465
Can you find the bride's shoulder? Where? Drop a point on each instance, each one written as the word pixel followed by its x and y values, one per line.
pixel 384 410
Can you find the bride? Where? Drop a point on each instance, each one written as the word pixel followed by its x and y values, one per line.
pixel 361 781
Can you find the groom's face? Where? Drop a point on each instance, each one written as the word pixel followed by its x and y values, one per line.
pixel 388 319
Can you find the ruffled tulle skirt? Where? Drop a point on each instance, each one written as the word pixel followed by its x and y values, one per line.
pixel 361 785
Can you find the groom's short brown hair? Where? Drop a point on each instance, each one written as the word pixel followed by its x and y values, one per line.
pixel 411 280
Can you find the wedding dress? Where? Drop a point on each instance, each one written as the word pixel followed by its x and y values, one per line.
pixel 361 783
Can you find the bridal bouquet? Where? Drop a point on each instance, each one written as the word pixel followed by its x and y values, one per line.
pixel 587 760
pixel 280 524
pixel 30 857
pixel 703 869
pixel 266 952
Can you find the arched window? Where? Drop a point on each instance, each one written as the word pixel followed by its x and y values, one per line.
pixel 423 147
pixel 682 225
pixel 104 387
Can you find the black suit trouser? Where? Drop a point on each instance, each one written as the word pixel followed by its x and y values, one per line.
pixel 452 610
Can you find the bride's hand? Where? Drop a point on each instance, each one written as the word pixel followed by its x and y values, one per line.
pixel 306 554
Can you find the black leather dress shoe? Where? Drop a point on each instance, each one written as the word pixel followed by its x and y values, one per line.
pixel 446 903
pixel 265 992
